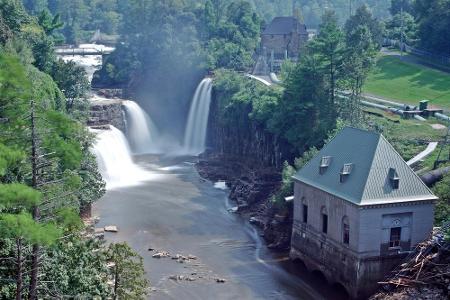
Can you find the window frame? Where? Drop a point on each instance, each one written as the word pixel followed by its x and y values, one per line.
pixel 305 213
pixel 345 230
pixel 324 219
pixel 395 243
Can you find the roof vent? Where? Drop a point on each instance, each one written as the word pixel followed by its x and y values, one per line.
pixel 325 162
pixel 394 179
pixel 345 172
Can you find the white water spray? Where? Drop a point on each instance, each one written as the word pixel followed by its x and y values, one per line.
pixel 114 159
pixel 141 131
pixel 195 134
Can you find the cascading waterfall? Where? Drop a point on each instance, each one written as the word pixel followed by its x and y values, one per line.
pixel 114 159
pixel 195 134
pixel 141 131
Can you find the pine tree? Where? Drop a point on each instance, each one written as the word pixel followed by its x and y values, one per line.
pixel 128 272
pixel 329 47
pixel 16 200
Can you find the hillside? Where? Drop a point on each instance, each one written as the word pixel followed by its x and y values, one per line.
pixel 401 80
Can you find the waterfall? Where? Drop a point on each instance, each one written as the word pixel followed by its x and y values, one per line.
pixel 195 134
pixel 141 131
pixel 114 159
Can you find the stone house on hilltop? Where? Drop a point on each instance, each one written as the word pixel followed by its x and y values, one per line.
pixel 358 210
pixel 283 38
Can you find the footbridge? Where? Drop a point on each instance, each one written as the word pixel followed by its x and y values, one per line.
pixel 83 51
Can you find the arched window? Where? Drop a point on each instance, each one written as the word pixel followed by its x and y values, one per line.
pixel 345 230
pixel 304 211
pixel 324 214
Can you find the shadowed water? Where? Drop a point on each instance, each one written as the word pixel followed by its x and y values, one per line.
pixel 179 212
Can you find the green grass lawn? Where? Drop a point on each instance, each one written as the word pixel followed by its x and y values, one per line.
pixel 409 137
pixel 409 83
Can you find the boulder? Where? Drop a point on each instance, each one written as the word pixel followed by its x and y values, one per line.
pixel 111 228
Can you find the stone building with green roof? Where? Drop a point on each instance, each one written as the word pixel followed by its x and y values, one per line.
pixel 358 210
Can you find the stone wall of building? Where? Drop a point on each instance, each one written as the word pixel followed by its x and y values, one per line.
pixel 279 43
pixel 419 227
pixel 359 265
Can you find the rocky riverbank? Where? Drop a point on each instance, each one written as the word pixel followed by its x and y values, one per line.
pixel 251 189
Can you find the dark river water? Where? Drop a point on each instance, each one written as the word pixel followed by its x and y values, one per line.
pixel 179 212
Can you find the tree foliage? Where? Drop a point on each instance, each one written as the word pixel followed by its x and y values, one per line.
pixel 46 171
pixel 128 272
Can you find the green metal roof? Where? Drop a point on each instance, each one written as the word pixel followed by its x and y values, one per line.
pixel 369 182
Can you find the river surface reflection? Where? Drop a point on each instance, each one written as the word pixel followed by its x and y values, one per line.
pixel 181 213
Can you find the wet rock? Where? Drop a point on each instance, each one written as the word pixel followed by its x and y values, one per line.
pixel 161 254
pixel 99 230
pixel 257 222
pixel 193 257
pixel 106 112
pixel 233 209
pixel 111 228
pixel 173 277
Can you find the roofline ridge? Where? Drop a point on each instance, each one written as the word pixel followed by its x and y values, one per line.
pixel 415 174
pixel 332 139
pixel 371 164
pixel 319 150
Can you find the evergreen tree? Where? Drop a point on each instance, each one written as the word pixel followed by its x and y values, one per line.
pixel 328 47
pixel 361 51
pixel 128 272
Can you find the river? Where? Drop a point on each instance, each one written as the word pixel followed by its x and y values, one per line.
pixel 181 213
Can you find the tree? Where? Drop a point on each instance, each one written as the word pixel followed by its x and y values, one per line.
pixel 433 19
pixel 328 47
pixel 364 17
pixel 16 201
pixel 397 6
pixel 76 267
pixel 128 272
pixel 442 211
pixel 73 82
pixel 304 114
pixel 359 58
pixel 402 27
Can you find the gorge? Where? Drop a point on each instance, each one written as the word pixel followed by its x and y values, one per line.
pixel 159 202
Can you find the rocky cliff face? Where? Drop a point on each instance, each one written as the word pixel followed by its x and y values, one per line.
pixel 107 111
pixel 245 139
pixel 250 160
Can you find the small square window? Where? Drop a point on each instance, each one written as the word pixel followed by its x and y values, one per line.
pixel 394 179
pixel 345 172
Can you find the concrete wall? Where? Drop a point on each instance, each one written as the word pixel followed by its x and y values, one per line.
pixel 415 230
pixel 336 209
pixel 359 265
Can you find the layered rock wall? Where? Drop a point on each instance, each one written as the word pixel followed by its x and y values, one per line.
pixel 245 139
pixel 106 112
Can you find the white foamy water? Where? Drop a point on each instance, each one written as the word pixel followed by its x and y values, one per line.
pixel 114 160
pixel 221 185
pixel 90 63
pixel 197 124
pixel 141 131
